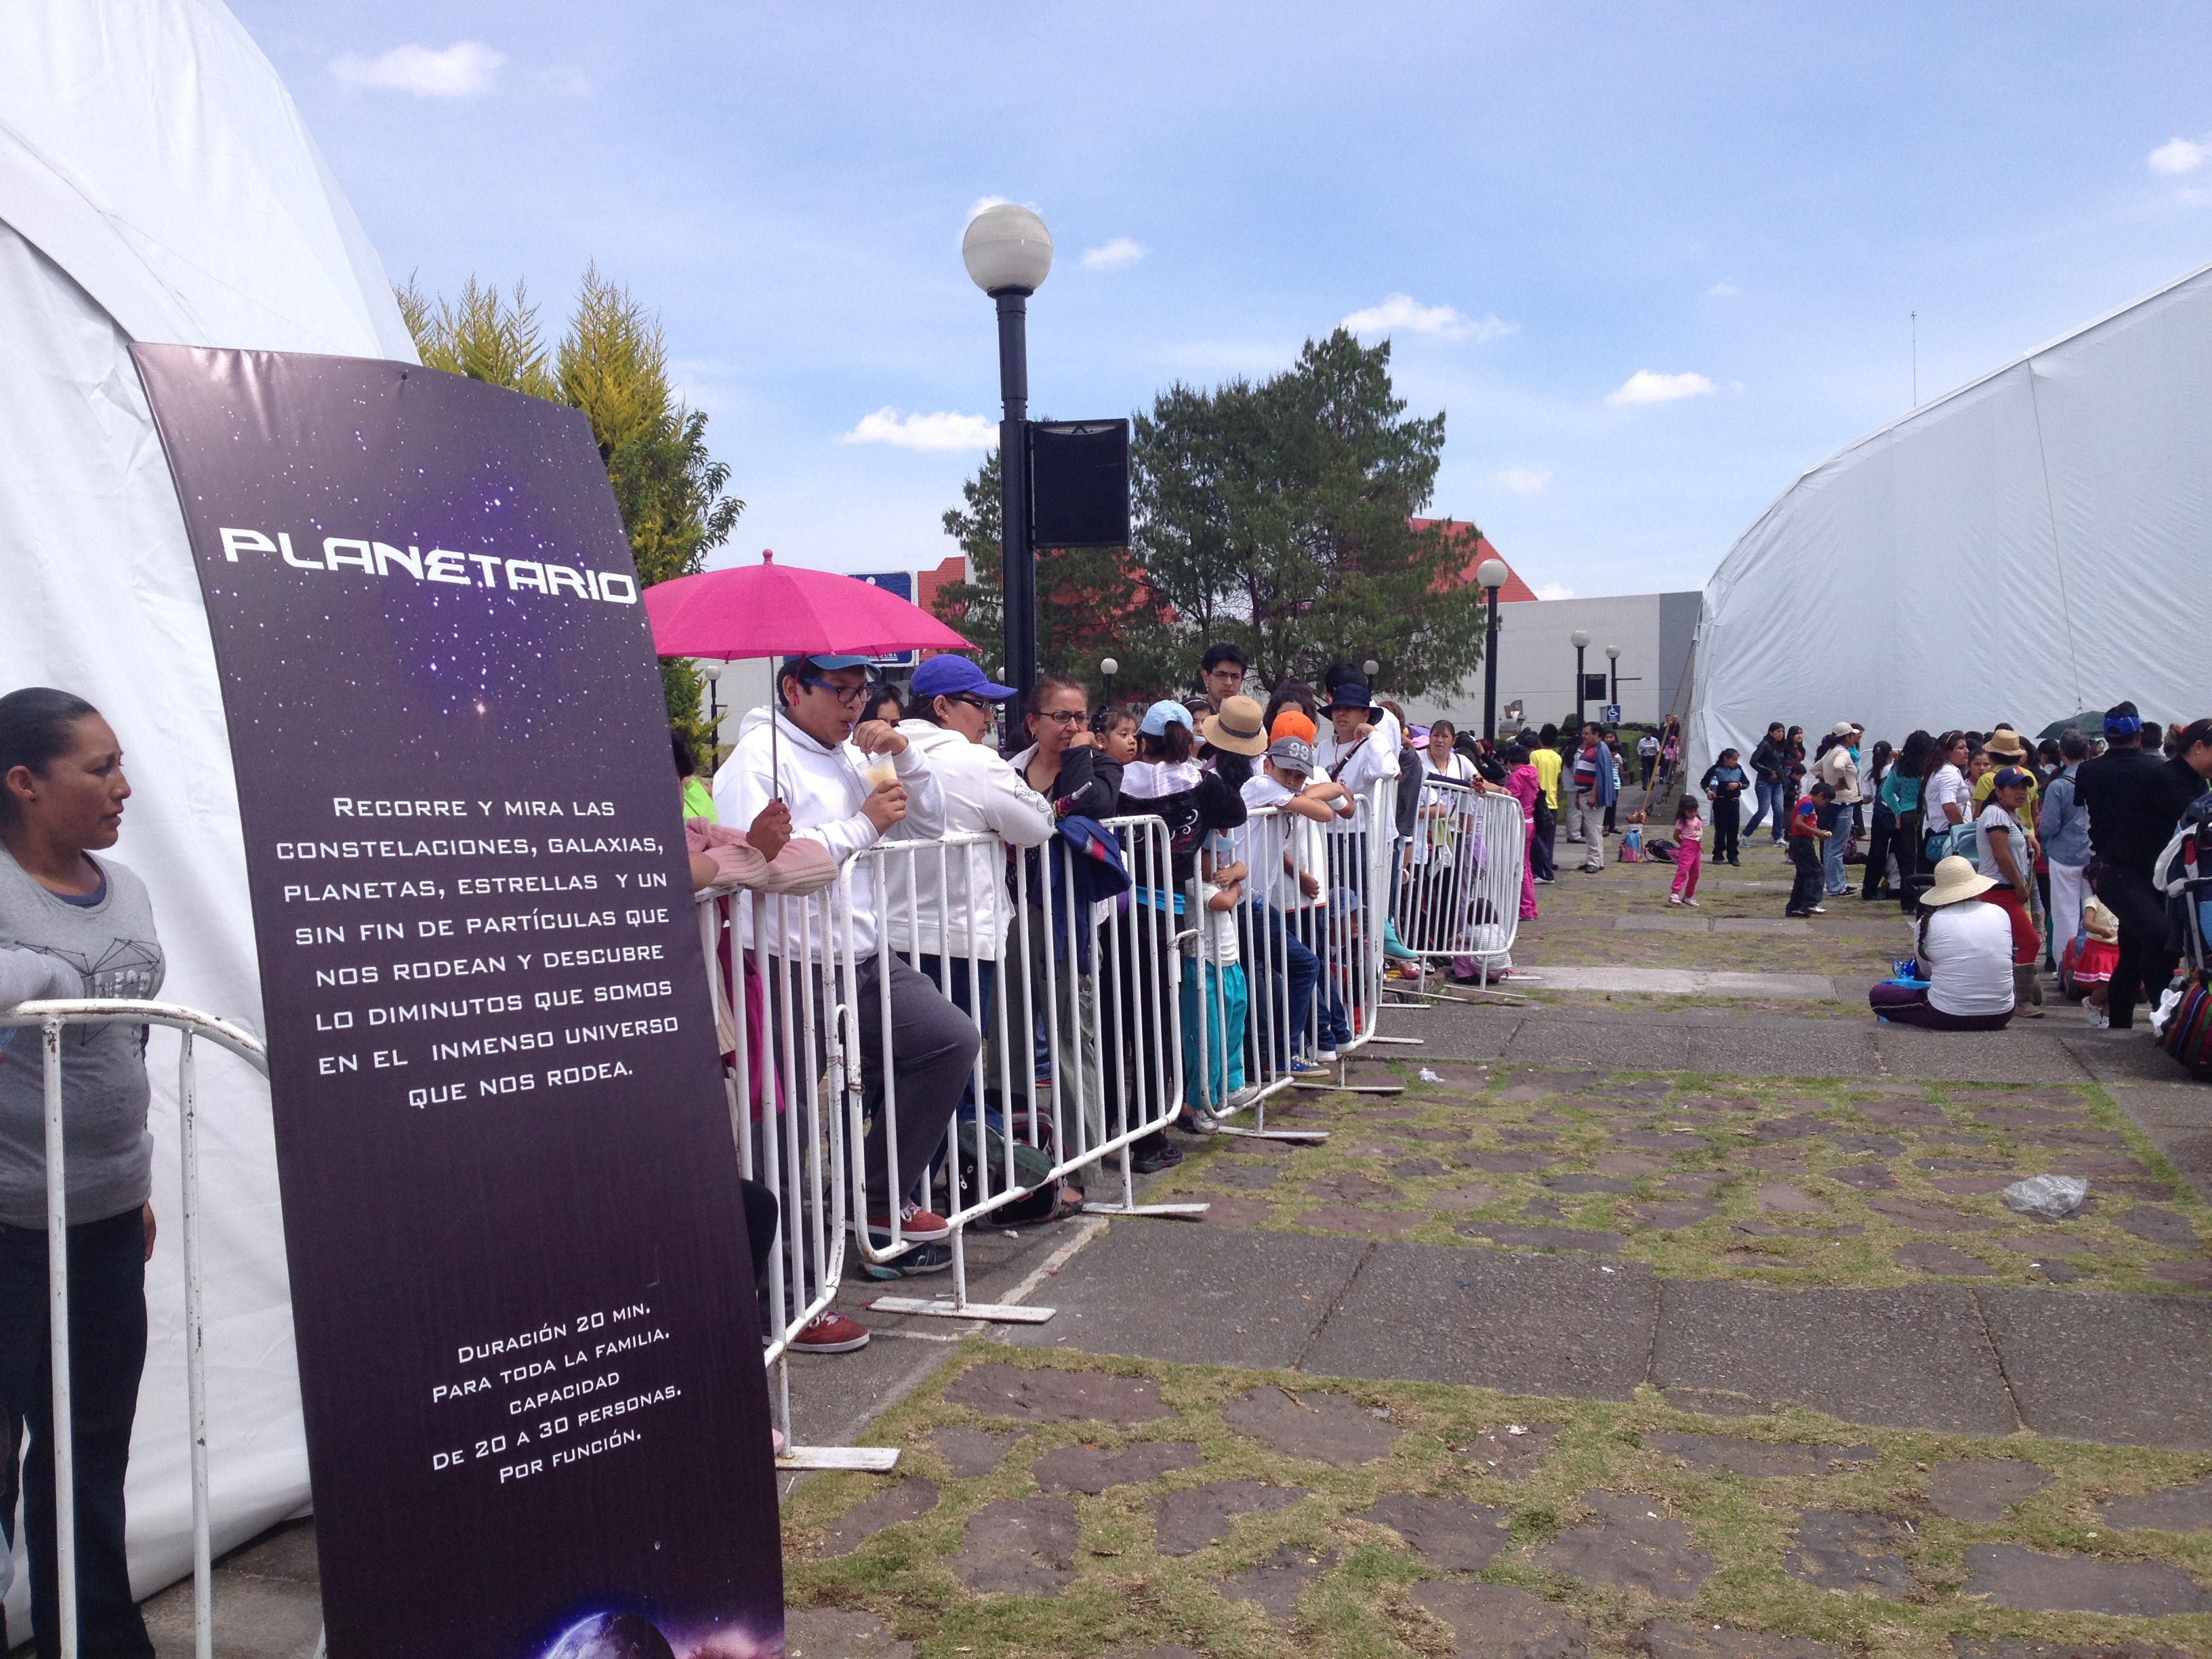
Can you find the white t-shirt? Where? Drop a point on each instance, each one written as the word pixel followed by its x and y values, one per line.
pixel 1646 746
pixel 1150 779
pixel 1994 816
pixel 1263 841
pixel 1217 938
pixel 1948 783
pixel 1967 959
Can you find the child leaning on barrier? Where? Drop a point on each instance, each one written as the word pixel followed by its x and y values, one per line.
pixel 1219 987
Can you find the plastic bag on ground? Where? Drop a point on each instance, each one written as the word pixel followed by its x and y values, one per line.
pixel 2053 1197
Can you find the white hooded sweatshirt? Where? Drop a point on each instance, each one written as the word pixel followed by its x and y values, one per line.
pixel 825 790
pixel 959 904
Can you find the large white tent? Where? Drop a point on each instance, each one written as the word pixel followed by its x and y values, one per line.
pixel 157 184
pixel 2029 546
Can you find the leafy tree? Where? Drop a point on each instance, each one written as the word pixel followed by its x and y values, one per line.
pixel 1091 602
pixel 611 364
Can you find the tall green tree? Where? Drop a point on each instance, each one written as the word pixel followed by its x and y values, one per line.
pixel 611 364
pixel 1278 515
pixel 1091 602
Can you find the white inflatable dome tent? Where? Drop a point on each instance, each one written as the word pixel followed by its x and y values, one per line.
pixel 157 184
pixel 2031 545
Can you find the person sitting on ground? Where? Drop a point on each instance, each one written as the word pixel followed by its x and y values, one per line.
pixel 1806 838
pixel 2004 861
pixel 1689 850
pixel 1964 948
pixel 809 751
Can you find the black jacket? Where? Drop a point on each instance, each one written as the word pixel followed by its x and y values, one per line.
pixel 2134 799
pixel 1770 760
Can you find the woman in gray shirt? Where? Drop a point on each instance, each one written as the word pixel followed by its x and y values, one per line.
pixel 73 926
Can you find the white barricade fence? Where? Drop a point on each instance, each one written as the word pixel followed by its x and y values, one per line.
pixel 1074 1000
pixel 1459 890
pixel 192 1026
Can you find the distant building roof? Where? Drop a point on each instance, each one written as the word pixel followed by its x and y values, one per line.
pixel 1515 589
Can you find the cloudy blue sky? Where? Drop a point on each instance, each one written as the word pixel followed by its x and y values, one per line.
pixel 1652 260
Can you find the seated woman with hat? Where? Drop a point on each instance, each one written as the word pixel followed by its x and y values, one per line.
pixel 1965 948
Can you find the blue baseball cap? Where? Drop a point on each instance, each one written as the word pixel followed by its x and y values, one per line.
pixel 827 665
pixel 953 677
pixel 1161 716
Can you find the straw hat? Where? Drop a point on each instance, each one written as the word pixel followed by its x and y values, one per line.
pixel 2005 742
pixel 2099 923
pixel 1240 727
pixel 1955 879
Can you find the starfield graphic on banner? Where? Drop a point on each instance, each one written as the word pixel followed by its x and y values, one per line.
pixel 529 1348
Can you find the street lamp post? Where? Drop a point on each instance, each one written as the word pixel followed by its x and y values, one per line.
pixel 1581 639
pixel 1008 253
pixel 1107 669
pixel 712 673
pixel 1491 574
pixel 1613 675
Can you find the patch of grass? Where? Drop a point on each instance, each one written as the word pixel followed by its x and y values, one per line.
pixel 1126 1596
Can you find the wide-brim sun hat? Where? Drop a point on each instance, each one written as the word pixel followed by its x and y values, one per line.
pixel 1240 727
pixel 1352 695
pixel 1956 879
pixel 2005 742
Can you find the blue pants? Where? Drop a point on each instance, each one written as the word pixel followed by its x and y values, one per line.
pixel 1224 998
pixel 1805 889
pixel 1291 971
pixel 1832 861
pixel 1312 928
pixel 1769 800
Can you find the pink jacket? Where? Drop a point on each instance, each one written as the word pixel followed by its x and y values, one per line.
pixel 803 866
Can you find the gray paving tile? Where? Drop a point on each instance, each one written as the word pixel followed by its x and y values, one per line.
pixel 1569 1040
pixel 1460 1031
pixel 2177 1118
pixel 2025 1050
pixel 1164 1289
pixel 1533 1324
pixel 2115 1056
pixel 1808 1047
pixel 1915 1357
pixel 255 1618
pixel 2124 1369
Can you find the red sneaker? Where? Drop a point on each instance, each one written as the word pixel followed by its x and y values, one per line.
pixel 831 1332
pixel 916 1225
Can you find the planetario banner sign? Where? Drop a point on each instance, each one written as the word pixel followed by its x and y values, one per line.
pixel 528 1342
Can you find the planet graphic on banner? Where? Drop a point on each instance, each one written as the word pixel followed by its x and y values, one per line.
pixel 611 1636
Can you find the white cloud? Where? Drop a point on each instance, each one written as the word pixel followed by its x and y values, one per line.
pixel 467 69
pixel 1524 480
pixel 1403 310
pixel 1555 591
pixel 1721 291
pixel 1111 256
pixel 1645 387
pixel 946 431
pixel 2179 156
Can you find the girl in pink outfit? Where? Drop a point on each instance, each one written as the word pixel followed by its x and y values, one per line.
pixel 1525 785
pixel 1689 850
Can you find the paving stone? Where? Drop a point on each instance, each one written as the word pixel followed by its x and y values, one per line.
pixel 2192 1275
pixel 1775 1230
pixel 1630 1547
pixel 2170 1508
pixel 1249 1175
pixel 1930 1257
pixel 1528 1137
pixel 2066 1099
pixel 1866 1177
pixel 971 1452
pixel 839 1633
pixel 1475 1197
pixel 1543 1238
pixel 2012 1577
pixel 1546 1083
pixel 1414 1168
pixel 1578 1183
pixel 1916 1357
pixel 1553 1118
pixel 1497 1621
pixel 2056 1272
pixel 1799 1127
pixel 1049 1395
pixel 1695 1183
pixel 1713 1402
pixel 2149 1385
pixel 2161 1191
pixel 1350 1186
pixel 1972 1186
pixel 1277 1582
pixel 2110 1140
pixel 1771 1160
pixel 1981 1489
pixel 1904 1113
pixel 1443 1136
pixel 1327 1427
pixel 1366 1223
pixel 1963 1647
pixel 1377 1149
pixel 1511 1449
pixel 1666 1217
pixel 2051 1244
pixel 1938 1164
pixel 1661 1639
pixel 1628 1163
pixel 1756 1457
pixel 2025 1117
pixel 1663 1140
pixel 1929 1217
pixel 1187 1520
pixel 1844 1549
pixel 2097 1166
pixel 1877 1145
pixel 1717 1103
pixel 1448 1533
pixel 1787 1200
pixel 1229 1209
pixel 1094 1469
pixel 1246 1147
pixel 907 1500
pixel 1023 1547
pixel 1544 1209
pixel 1506 1163
pixel 2167 1227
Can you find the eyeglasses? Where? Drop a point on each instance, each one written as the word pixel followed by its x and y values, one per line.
pixel 973 701
pixel 849 696
pixel 1061 716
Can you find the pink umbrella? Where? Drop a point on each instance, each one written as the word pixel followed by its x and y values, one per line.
pixel 771 610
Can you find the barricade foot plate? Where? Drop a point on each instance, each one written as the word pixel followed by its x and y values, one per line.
pixel 994 1313
pixel 1406 1042
pixel 1178 1212
pixel 1353 1088
pixel 1274 1134
pixel 875 1460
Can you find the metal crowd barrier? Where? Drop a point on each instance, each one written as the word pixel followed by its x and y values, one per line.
pixel 51 1018
pixel 1460 894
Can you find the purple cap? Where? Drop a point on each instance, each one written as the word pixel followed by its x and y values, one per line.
pixel 953 677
